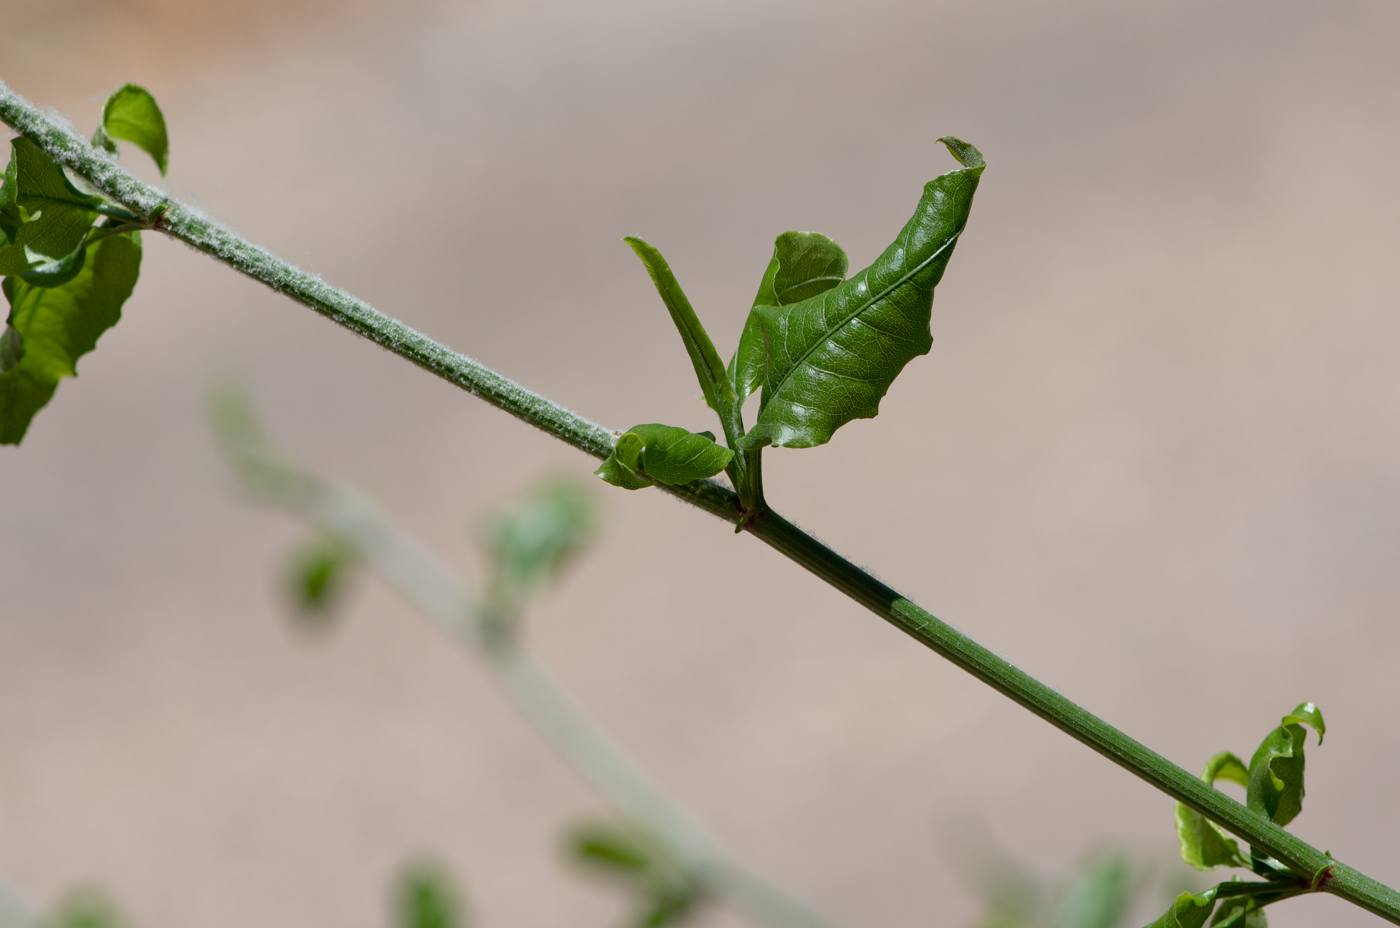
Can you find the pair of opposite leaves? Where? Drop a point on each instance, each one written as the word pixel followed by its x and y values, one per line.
pixel 65 279
pixel 823 349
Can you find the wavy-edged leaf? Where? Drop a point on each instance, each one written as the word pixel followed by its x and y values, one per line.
pixel 1204 845
pixel 57 325
pixel 803 265
pixel 709 369
pixel 131 114
pixel 1275 785
pixel 832 357
pixel 59 214
pixel 663 453
pixel 1190 910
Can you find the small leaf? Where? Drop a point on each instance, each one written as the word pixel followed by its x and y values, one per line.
pixel 1204 845
pixel 131 114
pixel 709 369
pixel 663 892
pixel 1190 910
pixel 58 325
pixel 664 453
pixel 59 214
pixel 622 851
pixel 1097 894
pixel 533 539
pixel 803 265
pixel 427 899
pixel 317 578
pixel 832 357
pixel 1275 785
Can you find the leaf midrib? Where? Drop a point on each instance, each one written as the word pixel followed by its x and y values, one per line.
pixel 873 300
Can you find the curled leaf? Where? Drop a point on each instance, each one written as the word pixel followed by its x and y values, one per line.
pixel 1204 845
pixel 663 453
pixel 131 114
pixel 803 265
pixel 1275 786
pixel 1190 910
pixel 55 326
pixel 831 358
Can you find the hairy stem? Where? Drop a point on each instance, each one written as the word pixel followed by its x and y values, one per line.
pixel 101 170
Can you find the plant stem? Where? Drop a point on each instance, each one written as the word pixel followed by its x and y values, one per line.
pixel 553 713
pixel 101 170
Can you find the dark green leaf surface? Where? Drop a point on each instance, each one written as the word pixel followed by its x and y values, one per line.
pixel 803 265
pixel 59 214
pixel 131 114
pixel 426 899
pixel 1190 910
pixel 832 357
pixel 58 325
pixel 665 453
pixel 1275 785
pixel 709 369
pixel 1204 845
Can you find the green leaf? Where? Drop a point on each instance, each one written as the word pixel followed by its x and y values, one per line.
pixel 57 273
pixel 59 213
pixel 317 577
pixel 665 453
pixel 1190 910
pixel 803 265
pixel 664 893
pixel 1204 845
pixel 532 540
pixel 1097 894
pixel 1239 913
pixel 832 357
pixel 87 909
pixel 709 369
pixel 1275 785
pixel 427 899
pixel 621 851
pixel 131 114
pixel 56 326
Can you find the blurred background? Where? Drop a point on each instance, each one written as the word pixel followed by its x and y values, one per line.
pixel 1153 457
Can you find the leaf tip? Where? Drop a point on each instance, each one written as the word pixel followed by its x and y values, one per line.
pixel 967 154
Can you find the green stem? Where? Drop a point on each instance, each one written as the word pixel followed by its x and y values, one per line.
pixel 99 169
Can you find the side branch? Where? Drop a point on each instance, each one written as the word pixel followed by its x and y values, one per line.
pixel 186 224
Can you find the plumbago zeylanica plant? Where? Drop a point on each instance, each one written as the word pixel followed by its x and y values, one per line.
pixel 822 349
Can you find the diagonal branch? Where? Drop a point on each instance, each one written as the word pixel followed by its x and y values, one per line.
pixel 180 221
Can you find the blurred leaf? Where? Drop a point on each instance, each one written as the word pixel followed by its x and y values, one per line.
pixel 832 357
pixel 131 114
pixel 663 893
pixel 86 909
pixel 534 538
pixel 1204 845
pixel 664 453
pixel 623 851
pixel 317 577
pixel 1190 910
pixel 427 899
pixel 803 265
pixel 1097 894
pixel 58 325
pixel 709 369
pixel 1275 785
pixel 59 215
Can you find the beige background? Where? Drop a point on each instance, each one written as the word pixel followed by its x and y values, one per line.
pixel 1152 457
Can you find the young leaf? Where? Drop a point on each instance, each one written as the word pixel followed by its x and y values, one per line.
pixel 803 265
pixel 1275 786
pixel 1204 845
pixel 709 369
pixel 59 214
pixel 57 325
pixel 832 357
pixel 1190 910
pixel 131 114
pixel 426 899
pixel 664 453
pixel 531 540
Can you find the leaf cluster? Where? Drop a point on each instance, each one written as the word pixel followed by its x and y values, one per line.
pixel 70 260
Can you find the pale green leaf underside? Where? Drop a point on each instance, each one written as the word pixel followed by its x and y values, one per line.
pixel 131 114
pixel 832 357
pixel 803 265
pixel 58 325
